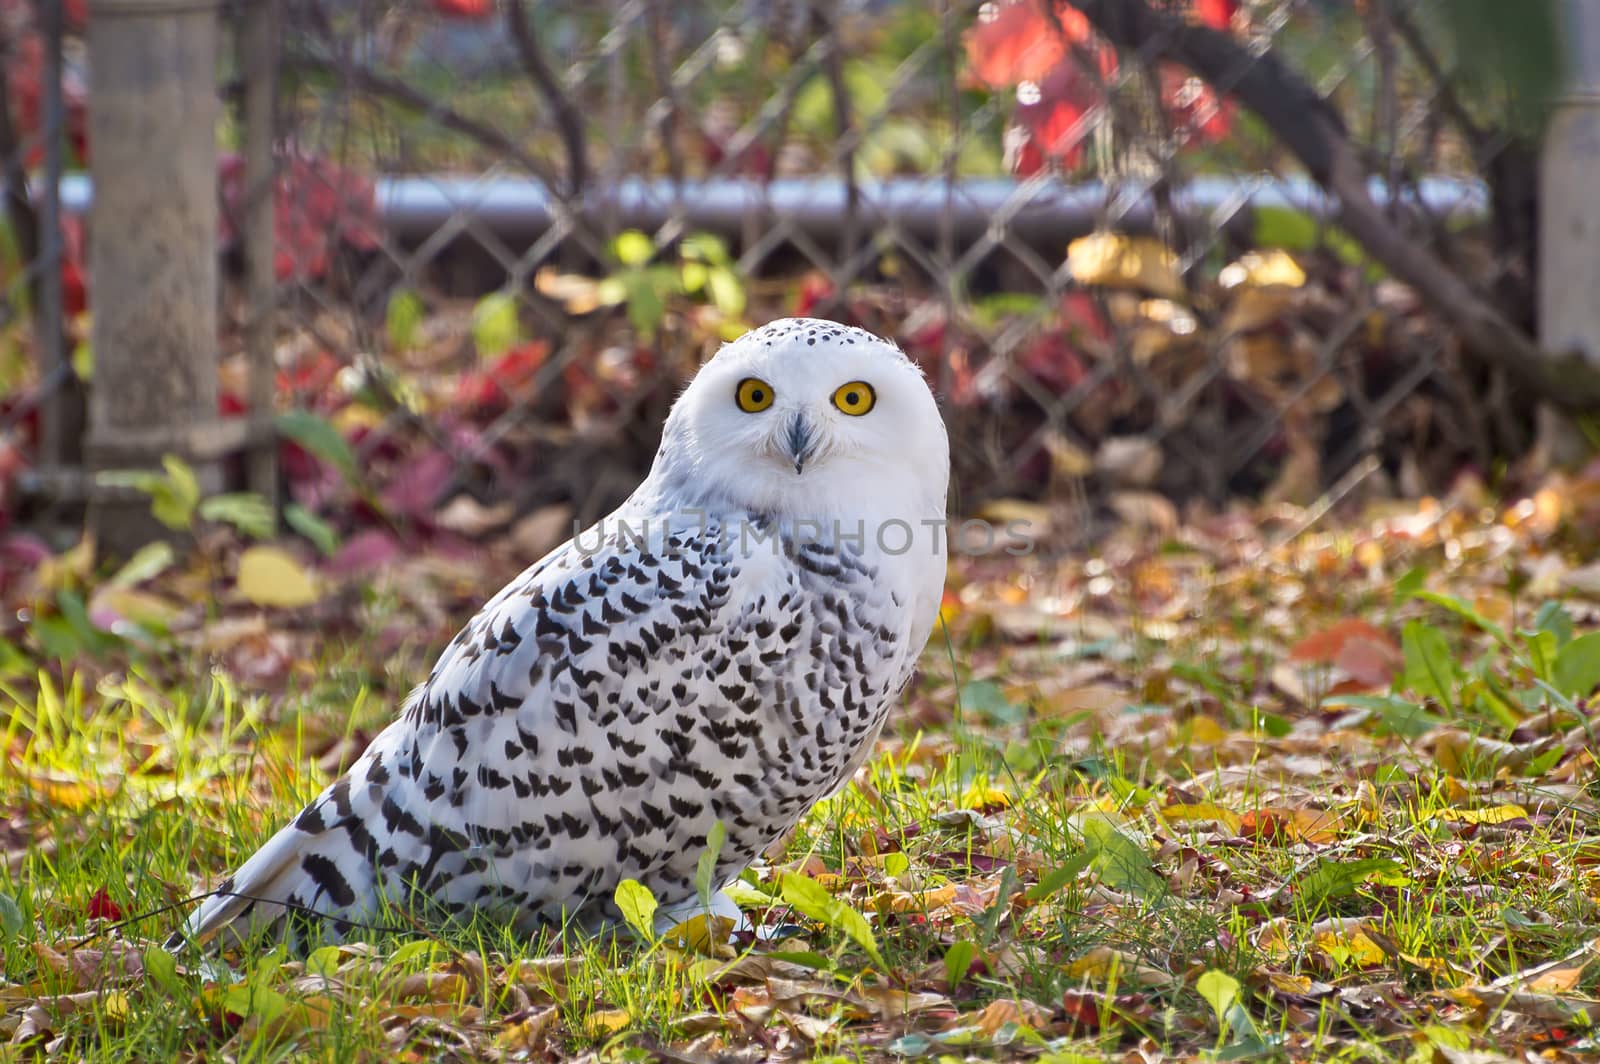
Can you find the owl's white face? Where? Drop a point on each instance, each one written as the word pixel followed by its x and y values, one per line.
pixel 806 418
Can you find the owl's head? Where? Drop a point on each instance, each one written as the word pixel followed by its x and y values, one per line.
pixel 807 416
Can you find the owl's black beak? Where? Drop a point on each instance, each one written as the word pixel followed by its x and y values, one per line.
pixel 800 441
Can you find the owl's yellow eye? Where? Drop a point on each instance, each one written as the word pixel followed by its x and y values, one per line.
pixel 855 398
pixel 754 395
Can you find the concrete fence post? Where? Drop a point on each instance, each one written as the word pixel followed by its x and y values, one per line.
pixel 152 253
pixel 1569 223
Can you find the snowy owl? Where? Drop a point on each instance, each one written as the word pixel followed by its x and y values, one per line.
pixel 723 648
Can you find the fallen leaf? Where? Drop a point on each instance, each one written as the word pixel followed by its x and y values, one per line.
pixel 271 576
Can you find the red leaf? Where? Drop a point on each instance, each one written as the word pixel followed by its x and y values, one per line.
pixel 1218 14
pixel 318 206
pixel 1054 362
pixel 419 484
pixel 101 907
pixel 1325 645
pixel 363 552
pixel 1020 44
pixel 507 378
pixel 471 9
pixel 1054 120
pixel 1194 107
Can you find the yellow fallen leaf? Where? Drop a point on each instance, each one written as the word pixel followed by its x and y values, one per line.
pixel 1494 814
pixel 980 794
pixel 1297 985
pixel 1104 963
pixel 1350 944
pixel 116 1007
pixel 705 934
pixel 1113 260
pixel 916 901
pixel 607 1021
pixel 1203 812
pixel 527 1034
pixel 1261 269
pixel 270 576
pixel 356 416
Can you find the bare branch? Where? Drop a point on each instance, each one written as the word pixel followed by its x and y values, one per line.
pixel 569 121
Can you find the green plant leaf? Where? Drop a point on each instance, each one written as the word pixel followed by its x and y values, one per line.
pixel 638 907
pixel 707 865
pixel 1058 879
pixel 174 507
pixel 318 436
pixel 957 959
pixel 496 328
pixel 10 917
pixel 1465 612
pixel 1577 667
pixel 162 968
pixel 1554 618
pixel 148 561
pixel 244 510
pixel 1122 863
pixel 1430 670
pixel 1220 990
pixel 402 319
pixel 812 899
pixel 322 535
pixel 1338 879
pixel 633 248
pixel 726 291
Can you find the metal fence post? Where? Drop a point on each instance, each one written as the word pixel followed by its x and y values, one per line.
pixel 153 252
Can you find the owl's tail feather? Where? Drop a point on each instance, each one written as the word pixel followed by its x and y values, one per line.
pixel 308 874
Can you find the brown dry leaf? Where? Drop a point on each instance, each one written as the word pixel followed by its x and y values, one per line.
pixel 39 1019
pixel 1553 977
pixel 578 294
pixel 432 986
pixel 1276 824
pixel 1146 511
pixel 86 968
pixel 998 1013
pixel 1458 752
pixel 302 1016
pixel 891 1003
pixel 1113 260
pixel 471 518
pixel 1548 1007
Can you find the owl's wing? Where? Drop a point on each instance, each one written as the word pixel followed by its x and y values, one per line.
pixel 493 786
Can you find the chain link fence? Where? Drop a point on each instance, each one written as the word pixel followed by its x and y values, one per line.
pixel 1113 235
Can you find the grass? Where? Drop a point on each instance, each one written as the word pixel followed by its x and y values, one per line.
pixel 1108 819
